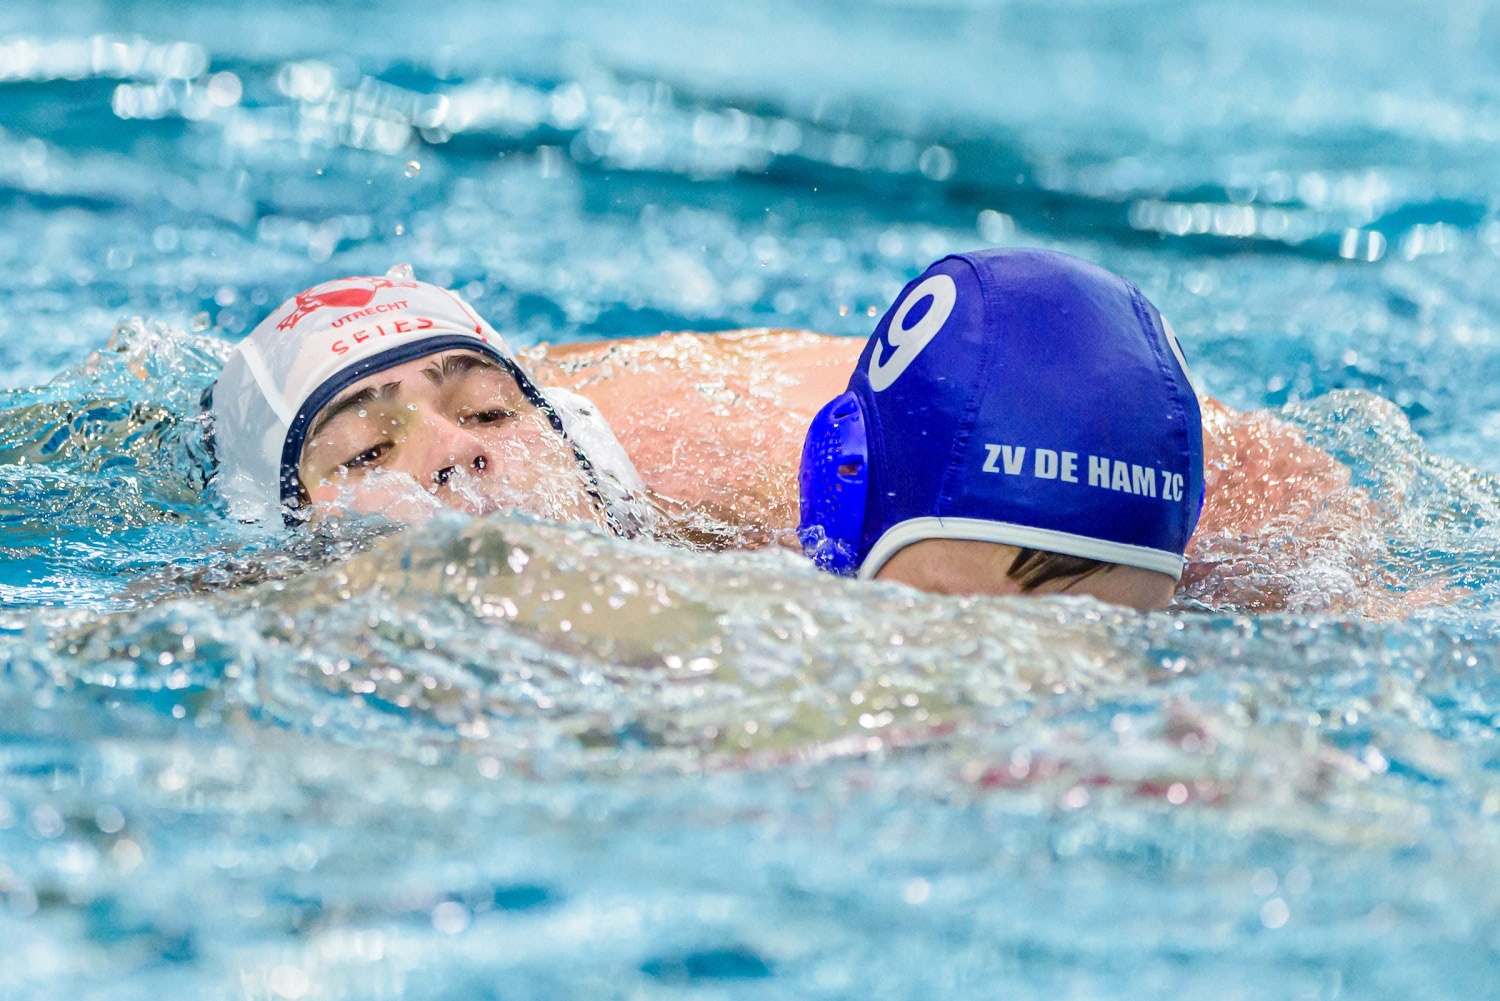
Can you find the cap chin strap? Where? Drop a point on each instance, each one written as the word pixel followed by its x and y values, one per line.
pixel 296 436
pixel 833 483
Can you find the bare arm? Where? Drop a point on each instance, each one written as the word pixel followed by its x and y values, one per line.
pixel 714 421
pixel 1285 529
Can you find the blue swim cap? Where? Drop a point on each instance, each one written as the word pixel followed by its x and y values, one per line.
pixel 1018 396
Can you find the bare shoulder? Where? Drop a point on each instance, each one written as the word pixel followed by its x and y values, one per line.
pixel 697 347
pixel 1284 528
pixel 712 420
pixel 798 368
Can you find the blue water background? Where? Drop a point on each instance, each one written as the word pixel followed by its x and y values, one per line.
pixel 417 774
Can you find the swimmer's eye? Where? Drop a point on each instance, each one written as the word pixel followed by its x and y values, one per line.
pixel 368 457
pixel 487 416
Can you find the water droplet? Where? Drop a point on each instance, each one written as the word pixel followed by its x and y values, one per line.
pixel 413 168
pixel 450 917
pixel 225 89
pixel 46 821
pixel 400 229
pixel 109 819
pixel 937 163
pixel 1275 913
pixel 200 323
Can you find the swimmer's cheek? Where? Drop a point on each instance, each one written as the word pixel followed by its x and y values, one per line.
pixel 396 497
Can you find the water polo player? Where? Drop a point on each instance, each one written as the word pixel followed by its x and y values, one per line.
pixel 380 394
pixel 1019 420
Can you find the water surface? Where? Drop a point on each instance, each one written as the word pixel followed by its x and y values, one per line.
pixel 503 759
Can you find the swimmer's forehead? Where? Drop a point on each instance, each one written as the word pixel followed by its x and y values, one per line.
pixel 436 369
pixel 395 385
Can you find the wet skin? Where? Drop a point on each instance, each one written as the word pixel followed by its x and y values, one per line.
pixel 962 566
pixel 452 428
pixel 715 422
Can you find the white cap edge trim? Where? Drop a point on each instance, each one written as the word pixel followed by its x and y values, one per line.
pixel 904 533
pixel 262 376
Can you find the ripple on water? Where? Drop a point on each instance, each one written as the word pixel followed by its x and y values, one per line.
pixel 356 763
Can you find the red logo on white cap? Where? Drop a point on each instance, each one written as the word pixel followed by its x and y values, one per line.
pixel 349 297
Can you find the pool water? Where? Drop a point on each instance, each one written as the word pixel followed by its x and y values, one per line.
pixel 499 758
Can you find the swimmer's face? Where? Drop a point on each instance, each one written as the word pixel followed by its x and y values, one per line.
pixel 962 566
pixel 452 429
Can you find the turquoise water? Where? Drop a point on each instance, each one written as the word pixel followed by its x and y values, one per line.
pixel 502 759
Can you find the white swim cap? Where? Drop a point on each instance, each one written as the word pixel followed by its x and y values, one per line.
pixel 321 341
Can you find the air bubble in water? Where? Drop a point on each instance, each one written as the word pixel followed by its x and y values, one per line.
pixel 413 168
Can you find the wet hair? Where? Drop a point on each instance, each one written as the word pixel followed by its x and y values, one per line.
pixel 1034 567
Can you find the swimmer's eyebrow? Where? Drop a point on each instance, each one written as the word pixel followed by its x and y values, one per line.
pixel 454 365
pixel 363 398
pixel 450 366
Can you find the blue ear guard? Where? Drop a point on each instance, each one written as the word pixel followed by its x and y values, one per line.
pixel 832 482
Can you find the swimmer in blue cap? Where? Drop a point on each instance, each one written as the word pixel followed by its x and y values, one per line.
pixel 1021 420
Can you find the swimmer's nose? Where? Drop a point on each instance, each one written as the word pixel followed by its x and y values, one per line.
pixel 455 450
pixel 478 464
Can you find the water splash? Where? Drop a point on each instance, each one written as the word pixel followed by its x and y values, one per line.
pixel 729 774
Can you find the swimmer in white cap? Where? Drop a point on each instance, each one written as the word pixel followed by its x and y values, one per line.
pixel 384 393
